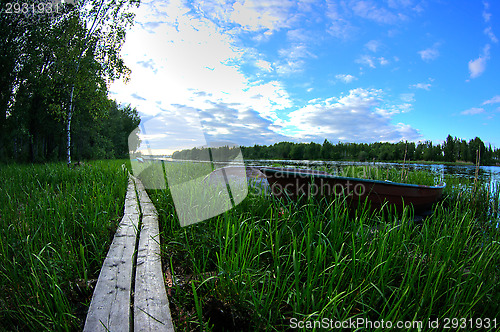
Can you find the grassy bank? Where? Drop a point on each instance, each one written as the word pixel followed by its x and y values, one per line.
pixel 269 263
pixel 57 224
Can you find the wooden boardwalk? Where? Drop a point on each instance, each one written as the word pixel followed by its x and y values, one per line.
pixel 130 292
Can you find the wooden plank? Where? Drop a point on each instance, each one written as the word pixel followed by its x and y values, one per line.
pixel 147 207
pixel 151 307
pixel 110 306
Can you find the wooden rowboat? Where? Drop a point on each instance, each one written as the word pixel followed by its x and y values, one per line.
pixel 294 183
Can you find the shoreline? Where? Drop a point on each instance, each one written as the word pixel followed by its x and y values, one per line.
pixel 423 162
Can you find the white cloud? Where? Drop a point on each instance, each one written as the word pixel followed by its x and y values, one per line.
pixel 342 14
pixel 181 127
pixel 171 130
pixel 373 45
pixel 299 36
pixel 473 111
pixel 264 17
pixel 187 64
pixel 494 100
pixel 478 66
pixel 383 61
pixel 489 32
pixel 407 97
pixel 354 117
pixel 293 58
pixel 430 53
pixel 366 60
pixel 370 11
pixel 371 61
pixel 346 78
pixel 239 124
pixel 296 51
pixel 195 57
pixel 258 15
pixel 487 110
pixel 404 107
pixel 424 86
pixel 400 3
pixel 486 14
pixel 264 65
pixel 339 27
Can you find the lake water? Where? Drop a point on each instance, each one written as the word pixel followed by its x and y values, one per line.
pixel 486 173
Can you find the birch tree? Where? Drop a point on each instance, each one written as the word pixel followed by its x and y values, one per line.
pixel 105 23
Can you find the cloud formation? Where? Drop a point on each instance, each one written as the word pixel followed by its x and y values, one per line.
pixel 478 66
pixel 356 117
pixel 494 100
pixel 371 11
pixel 373 45
pixel 243 66
pixel 423 86
pixel 371 61
pixel 473 111
pixel 346 78
pixel 429 54
pixel 486 109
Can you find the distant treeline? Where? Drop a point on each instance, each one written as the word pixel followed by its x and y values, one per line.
pixel 451 150
pixel 221 153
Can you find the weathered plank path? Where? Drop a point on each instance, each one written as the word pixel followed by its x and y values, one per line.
pixel 130 292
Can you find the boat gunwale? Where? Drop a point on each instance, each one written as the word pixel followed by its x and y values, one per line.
pixel 331 176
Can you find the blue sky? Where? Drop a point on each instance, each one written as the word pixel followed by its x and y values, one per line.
pixel 259 72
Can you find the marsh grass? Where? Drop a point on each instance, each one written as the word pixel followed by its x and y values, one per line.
pixel 57 224
pixel 267 261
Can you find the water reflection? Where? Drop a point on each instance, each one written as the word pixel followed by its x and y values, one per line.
pixel 485 173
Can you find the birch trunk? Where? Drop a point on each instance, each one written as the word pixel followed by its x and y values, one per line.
pixel 68 125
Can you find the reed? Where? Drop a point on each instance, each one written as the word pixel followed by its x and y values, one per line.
pixel 268 262
pixel 57 224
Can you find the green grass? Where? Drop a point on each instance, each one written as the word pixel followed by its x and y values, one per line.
pixel 57 224
pixel 267 261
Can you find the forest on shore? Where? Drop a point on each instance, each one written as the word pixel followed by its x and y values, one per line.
pixel 451 150
pixel 57 60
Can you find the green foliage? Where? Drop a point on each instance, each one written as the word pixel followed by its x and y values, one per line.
pixel 108 136
pixel 47 56
pixel 57 223
pixel 266 261
pixel 451 150
pixel 219 153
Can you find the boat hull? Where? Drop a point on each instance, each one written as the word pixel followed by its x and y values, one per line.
pixel 296 183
